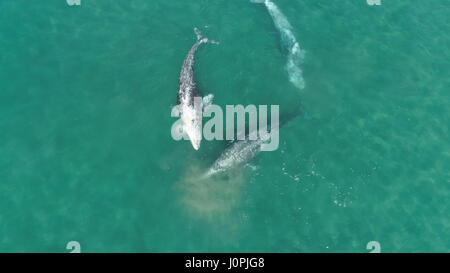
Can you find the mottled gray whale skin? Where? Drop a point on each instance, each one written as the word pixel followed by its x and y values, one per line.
pixel 241 152
pixel 237 154
pixel 190 112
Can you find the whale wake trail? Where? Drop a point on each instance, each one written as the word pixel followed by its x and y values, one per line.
pixel 288 43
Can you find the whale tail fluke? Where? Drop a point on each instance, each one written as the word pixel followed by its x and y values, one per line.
pixel 202 38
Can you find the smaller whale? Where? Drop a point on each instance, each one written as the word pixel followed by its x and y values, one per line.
pixel 241 152
pixel 191 109
pixel 237 154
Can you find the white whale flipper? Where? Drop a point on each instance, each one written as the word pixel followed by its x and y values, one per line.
pixel 207 100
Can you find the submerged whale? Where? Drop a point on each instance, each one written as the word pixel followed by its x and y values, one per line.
pixel 241 152
pixel 237 154
pixel 190 108
pixel 288 43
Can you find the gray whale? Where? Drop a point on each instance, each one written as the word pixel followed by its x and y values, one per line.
pixel 190 108
pixel 241 152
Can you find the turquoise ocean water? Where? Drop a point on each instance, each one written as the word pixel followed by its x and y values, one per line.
pixel 86 154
